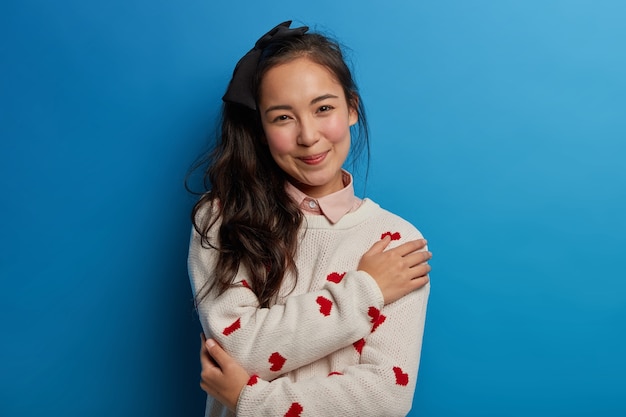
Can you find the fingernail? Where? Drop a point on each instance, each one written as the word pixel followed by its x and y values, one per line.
pixel 210 343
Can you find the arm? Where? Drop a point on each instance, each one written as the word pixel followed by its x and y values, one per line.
pixel 381 384
pixel 259 337
pixel 265 340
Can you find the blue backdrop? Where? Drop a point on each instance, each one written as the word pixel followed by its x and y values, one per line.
pixel 499 130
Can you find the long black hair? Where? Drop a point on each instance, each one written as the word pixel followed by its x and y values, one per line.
pixel 256 221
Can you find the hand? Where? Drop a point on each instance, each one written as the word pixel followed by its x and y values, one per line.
pixel 221 377
pixel 397 271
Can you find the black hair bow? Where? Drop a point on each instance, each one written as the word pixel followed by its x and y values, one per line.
pixel 240 87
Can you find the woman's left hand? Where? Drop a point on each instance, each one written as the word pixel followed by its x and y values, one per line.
pixel 221 377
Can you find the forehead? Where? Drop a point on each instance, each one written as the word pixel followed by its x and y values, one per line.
pixel 298 78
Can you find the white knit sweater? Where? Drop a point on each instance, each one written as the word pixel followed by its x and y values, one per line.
pixel 328 347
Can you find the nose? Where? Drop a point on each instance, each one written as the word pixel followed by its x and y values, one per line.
pixel 308 135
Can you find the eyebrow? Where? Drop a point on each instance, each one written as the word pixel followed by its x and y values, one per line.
pixel 314 101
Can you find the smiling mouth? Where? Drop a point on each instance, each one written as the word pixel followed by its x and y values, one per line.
pixel 314 159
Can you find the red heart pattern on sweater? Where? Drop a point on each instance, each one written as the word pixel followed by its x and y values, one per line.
pixel 335 373
pixel 358 345
pixel 245 284
pixel 253 380
pixel 295 410
pixel 335 277
pixel 401 377
pixel 230 329
pixel 376 318
pixel 393 236
pixel 325 305
pixel 277 361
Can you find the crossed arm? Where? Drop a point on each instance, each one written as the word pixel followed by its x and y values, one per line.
pixel 382 278
pixel 382 383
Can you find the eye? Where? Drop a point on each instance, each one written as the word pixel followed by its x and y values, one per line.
pixel 281 118
pixel 325 108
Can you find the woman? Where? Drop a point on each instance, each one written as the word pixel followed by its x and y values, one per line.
pixel 317 297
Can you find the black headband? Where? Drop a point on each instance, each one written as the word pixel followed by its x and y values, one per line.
pixel 240 87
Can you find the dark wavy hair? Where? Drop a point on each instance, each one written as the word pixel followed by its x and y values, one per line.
pixel 245 198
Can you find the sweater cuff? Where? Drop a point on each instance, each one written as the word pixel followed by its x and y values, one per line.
pixel 246 404
pixel 370 288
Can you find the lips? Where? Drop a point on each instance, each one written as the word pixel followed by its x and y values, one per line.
pixel 314 159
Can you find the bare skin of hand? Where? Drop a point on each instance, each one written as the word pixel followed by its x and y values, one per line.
pixel 397 271
pixel 221 377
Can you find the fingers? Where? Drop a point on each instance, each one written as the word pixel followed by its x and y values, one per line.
pixel 410 247
pixel 404 249
pixel 418 265
pixel 213 356
pixel 419 271
pixel 379 246
pixel 397 271
pixel 218 354
pixel 417 258
pixel 223 379
pixel 418 283
pixel 210 369
pixel 203 350
pixel 205 359
pixel 417 268
pixel 421 279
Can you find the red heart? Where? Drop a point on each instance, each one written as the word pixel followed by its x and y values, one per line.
pixel 358 345
pixel 253 380
pixel 393 236
pixel 335 373
pixel 277 361
pixel 401 377
pixel 335 277
pixel 325 305
pixel 245 284
pixel 236 325
pixel 377 318
pixel 294 410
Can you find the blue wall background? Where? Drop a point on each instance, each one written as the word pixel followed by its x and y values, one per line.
pixel 499 129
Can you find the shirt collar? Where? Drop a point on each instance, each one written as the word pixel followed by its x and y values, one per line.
pixel 332 206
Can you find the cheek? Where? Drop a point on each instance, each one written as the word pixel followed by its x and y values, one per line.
pixel 336 130
pixel 280 141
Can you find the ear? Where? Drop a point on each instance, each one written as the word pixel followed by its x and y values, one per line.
pixel 353 113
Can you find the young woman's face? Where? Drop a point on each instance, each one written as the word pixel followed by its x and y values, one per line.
pixel 307 119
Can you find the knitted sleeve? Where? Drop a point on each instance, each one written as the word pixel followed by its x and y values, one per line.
pixel 270 342
pixel 381 384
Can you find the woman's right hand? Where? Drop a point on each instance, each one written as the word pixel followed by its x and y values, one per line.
pixel 397 271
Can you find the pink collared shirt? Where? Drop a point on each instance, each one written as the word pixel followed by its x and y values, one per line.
pixel 332 206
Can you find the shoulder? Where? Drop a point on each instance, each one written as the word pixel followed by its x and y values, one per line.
pixel 206 222
pixel 206 208
pixel 390 222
